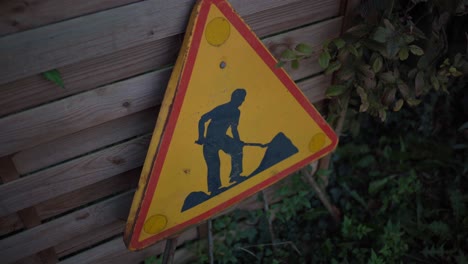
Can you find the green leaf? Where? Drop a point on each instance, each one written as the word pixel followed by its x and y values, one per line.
pixel 404 89
pixel 366 161
pixel 416 50
pixel 398 105
pixel 435 82
pixel 339 43
pixel 387 77
pixel 382 114
pixel 408 38
pixel 378 185
pixel 304 49
pixel 413 101
pixel 393 47
pixel 353 51
pixel 458 205
pixel 288 55
pixel 280 64
pixel 363 95
pixel 335 90
pixel 374 259
pixel 54 76
pixel 295 64
pixel 463 127
pixel 403 54
pixel 334 66
pixel 439 229
pixel 377 65
pixel 381 34
pixel 388 96
pixel 324 59
pixel 389 25
pixel 359 31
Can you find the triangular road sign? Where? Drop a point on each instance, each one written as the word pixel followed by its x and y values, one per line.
pixel 231 124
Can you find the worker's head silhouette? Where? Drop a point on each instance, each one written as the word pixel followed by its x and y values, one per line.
pixel 238 96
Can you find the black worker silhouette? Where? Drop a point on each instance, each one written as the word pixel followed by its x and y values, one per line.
pixel 221 119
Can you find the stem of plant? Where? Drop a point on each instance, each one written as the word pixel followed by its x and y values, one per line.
pixel 266 208
pixel 321 195
pixel 324 163
pixel 168 256
pixel 210 241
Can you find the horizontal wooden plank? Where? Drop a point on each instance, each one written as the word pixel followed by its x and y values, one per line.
pixel 56 121
pixel 292 16
pixel 91 73
pixel 18 16
pixel 105 32
pixel 99 190
pixel 93 237
pixel 34 259
pixel 66 202
pixel 115 251
pixel 60 118
pixel 314 88
pixel 10 223
pixel 59 230
pixel 72 175
pixel 73 145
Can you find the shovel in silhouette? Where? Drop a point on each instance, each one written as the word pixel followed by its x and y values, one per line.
pixel 279 149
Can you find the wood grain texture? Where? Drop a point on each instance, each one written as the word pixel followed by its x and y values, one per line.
pixel 18 16
pixel 105 32
pixel 28 216
pixel 115 251
pixel 90 238
pixel 34 259
pixel 349 9
pixel 60 118
pixel 97 71
pixel 314 88
pixel 54 232
pixel 147 89
pixel 84 141
pixel 9 223
pixel 72 175
pixel 68 201
pixel 292 16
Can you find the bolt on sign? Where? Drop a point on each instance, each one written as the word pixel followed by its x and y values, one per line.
pixel 231 124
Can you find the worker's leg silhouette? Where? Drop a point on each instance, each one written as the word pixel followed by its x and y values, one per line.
pixel 211 155
pixel 211 150
pixel 234 149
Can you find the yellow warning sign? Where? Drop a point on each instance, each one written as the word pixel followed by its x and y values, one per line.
pixel 231 124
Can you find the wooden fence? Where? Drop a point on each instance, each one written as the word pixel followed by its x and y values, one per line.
pixel 71 158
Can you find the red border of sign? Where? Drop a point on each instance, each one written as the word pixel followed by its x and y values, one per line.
pixel 174 115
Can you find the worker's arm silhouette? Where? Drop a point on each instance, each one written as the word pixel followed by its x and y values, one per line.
pixel 235 133
pixel 201 127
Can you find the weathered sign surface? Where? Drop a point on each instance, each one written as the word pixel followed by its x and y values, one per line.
pixel 231 124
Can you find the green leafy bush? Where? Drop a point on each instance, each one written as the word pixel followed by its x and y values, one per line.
pixel 399 178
